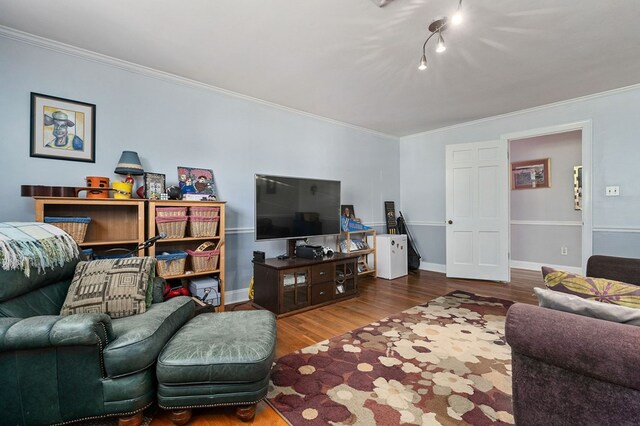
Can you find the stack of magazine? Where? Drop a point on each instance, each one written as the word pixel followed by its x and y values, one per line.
pixel 354 245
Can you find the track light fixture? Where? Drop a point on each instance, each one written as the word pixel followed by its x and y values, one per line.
pixel 438 27
pixel 440 47
pixel 456 19
pixel 423 63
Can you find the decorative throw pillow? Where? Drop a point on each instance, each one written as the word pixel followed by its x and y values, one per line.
pixel 586 307
pixel 116 287
pixel 599 289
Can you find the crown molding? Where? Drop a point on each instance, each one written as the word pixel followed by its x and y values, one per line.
pixel 78 52
pixel 526 111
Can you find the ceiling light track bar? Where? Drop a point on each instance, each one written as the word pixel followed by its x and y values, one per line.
pixel 438 26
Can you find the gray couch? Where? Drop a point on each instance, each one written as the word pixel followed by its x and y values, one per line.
pixel 575 370
pixel 57 369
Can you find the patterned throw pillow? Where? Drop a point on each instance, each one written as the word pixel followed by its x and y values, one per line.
pixel 586 307
pixel 116 287
pixel 598 289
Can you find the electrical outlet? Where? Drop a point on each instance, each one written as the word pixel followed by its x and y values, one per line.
pixel 612 191
pixel 564 251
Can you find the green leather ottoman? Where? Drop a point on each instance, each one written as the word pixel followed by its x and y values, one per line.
pixel 217 359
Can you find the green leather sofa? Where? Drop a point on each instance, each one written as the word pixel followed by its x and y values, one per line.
pixel 57 369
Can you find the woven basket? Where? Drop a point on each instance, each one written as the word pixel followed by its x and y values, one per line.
pixel 203 226
pixel 74 226
pixel 173 226
pixel 171 211
pixel 204 211
pixel 170 264
pixel 204 260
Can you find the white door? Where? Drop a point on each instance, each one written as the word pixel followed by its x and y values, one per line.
pixel 478 211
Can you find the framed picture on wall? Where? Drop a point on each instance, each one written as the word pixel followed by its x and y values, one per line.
pixel 531 174
pixel 62 129
pixel 347 211
pixel 154 185
pixel 577 188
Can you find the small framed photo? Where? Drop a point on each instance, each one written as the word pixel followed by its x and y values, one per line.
pixel 531 174
pixel 347 211
pixel 62 129
pixel 154 185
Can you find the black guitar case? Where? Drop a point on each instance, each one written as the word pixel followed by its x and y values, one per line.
pixel 413 257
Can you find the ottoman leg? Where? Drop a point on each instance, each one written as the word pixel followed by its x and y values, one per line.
pixel 135 420
pixel 180 417
pixel 246 412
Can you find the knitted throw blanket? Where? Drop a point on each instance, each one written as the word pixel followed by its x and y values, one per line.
pixel 24 245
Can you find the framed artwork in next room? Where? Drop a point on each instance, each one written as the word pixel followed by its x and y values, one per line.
pixel 531 174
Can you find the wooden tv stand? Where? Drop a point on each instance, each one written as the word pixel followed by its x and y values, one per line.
pixel 293 285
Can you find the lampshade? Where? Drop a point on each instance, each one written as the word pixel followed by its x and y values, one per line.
pixel 129 164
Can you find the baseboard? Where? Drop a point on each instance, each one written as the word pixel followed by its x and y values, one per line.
pixel 435 267
pixel 236 296
pixel 533 266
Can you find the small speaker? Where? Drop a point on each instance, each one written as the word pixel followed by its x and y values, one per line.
pixel 258 256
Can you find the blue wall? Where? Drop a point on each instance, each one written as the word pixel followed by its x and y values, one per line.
pixel 615 153
pixel 172 122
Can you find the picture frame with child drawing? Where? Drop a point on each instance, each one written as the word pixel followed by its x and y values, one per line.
pixel 198 181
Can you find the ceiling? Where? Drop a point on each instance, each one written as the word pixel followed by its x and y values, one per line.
pixel 354 62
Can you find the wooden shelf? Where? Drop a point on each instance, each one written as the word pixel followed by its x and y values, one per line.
pixel 186 239
pixel 189 243
pixel 363 253
pixel 107 243
pixel 116 222
pixel 192 274
pixel 113 221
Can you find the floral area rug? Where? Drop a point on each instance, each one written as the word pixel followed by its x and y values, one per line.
pixel 442 363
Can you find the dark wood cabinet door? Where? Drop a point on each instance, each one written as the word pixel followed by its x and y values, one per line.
pixel 295 289
pixel 346 275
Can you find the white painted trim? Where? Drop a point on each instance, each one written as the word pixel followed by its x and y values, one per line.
pixel 587 172
pixel 236 296
pixel 617 229
pixel 435 267
pixel 239 230
pixel 544 131
pixel 426 223
pixel 547 222
pixel 250 230
pixel 374 224
pixel 78 52
pixel 533 266
pixel 526 111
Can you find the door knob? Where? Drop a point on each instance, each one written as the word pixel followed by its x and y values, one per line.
pixel 450 222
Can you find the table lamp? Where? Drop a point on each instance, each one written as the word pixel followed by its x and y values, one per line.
pixel 129 164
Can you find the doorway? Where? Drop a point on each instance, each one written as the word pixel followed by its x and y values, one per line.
pixel 546 226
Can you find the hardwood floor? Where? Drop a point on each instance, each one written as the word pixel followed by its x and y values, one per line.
pixel 378 298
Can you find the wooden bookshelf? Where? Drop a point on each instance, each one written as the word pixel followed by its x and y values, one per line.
pixel 366 235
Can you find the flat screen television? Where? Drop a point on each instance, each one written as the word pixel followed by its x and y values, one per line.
pixel 291 207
